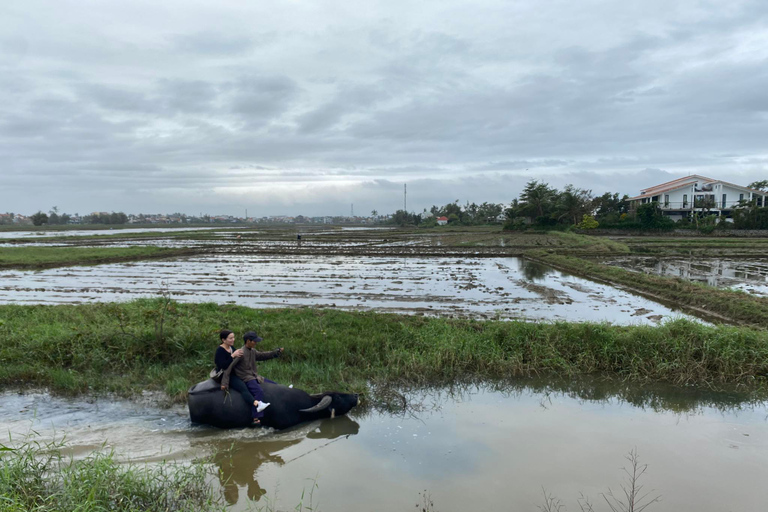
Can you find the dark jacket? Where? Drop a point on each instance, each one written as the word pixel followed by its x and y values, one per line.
pixel 245 367
pixel 222 359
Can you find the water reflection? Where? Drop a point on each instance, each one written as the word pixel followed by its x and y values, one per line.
pixel 238 460
pixel 533 270
pixel 748 275
pixel 472 446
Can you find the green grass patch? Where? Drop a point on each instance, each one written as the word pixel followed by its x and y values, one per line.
pixel 591 244
pixel 154 344
pixel 46 257
pixel 38 477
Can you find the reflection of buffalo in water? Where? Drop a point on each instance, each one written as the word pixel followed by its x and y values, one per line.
pixel 238 460
pixel 210 405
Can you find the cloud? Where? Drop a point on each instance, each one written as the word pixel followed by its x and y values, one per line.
pixel 139 108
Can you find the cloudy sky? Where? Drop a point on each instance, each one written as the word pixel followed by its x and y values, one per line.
pixel 307 107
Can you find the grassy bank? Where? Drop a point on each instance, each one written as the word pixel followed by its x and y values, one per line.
pixel 735 306
pixel 48 257
pixel 37 476
pixel 160 345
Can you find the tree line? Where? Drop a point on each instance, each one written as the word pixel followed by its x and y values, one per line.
pixel 54 218
pixel 540 206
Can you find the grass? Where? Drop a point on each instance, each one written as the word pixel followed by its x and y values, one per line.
pixel 37 477
pixel 164 346
pixel 722 304
pixel 47 257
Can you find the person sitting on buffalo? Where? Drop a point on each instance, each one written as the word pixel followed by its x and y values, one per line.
pixel 225 354
pixel 245 368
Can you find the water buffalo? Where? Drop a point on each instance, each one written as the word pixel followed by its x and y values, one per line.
pixel 209 404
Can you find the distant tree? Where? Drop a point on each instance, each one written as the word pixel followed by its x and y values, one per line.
pixel 573 203
pixel 374 213
pixel 759 185
pixel 752 217
pixel 536 199
pixel 650 216
pixel 610 205
pixel 488 213
pixel 53 216
pixel 39 218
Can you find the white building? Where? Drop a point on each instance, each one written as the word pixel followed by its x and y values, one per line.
pixel 679 198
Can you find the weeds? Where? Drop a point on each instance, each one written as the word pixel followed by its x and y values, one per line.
pixel 117 348
pixel 48 257
pixel 631 499
pixel 36 476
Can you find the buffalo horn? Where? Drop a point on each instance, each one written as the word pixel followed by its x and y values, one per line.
pixel 325 402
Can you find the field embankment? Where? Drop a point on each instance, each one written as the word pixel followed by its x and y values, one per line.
pixel 714 304
pixel 31 258
pixel 161 345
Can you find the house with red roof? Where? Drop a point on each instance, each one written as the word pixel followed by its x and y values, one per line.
pixel 442 221
pixel 681 197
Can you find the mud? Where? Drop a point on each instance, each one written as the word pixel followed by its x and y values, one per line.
pixel 503 288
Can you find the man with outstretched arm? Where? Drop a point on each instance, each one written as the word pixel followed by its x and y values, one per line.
pixel 245 368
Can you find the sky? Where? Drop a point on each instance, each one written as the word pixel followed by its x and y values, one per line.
pixel 326 107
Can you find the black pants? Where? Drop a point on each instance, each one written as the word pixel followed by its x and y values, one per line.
pixel 238 385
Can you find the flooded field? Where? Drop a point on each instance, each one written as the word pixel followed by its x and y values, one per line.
pixel 504 288
pixel 750 276
pixel 477 448
pixel 92 232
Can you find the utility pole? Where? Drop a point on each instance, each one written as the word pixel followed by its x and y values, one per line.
pixel 352 210
pixel 405 196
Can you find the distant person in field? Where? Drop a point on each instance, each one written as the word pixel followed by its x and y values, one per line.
pixel 245 368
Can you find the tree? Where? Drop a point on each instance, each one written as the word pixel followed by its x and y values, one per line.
pixel 650 216
pixel 587 222
pixel 489 212
pixel 573 203
pixel 374 213
pixel 403 218
pixel 610 205
pixel 536 199
pixel 39 218
pixel 759 185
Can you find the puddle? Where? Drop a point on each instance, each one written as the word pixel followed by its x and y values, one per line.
pixel 475 449
pixel 504 288
pixel 750 276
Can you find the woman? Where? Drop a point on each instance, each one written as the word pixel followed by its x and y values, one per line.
pixel 225 353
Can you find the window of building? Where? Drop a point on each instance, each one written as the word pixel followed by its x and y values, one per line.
pixel 723 201
pixel 666 200
pixel 685 200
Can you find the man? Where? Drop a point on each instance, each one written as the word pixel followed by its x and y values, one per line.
pixel 245 368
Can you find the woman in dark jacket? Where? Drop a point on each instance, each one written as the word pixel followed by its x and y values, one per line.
pixel 223 358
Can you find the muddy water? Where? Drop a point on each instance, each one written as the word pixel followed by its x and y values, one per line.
pixel 505 288
pixel 477 449
pixel 750 276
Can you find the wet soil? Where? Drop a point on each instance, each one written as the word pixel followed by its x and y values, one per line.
pixel 503 288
